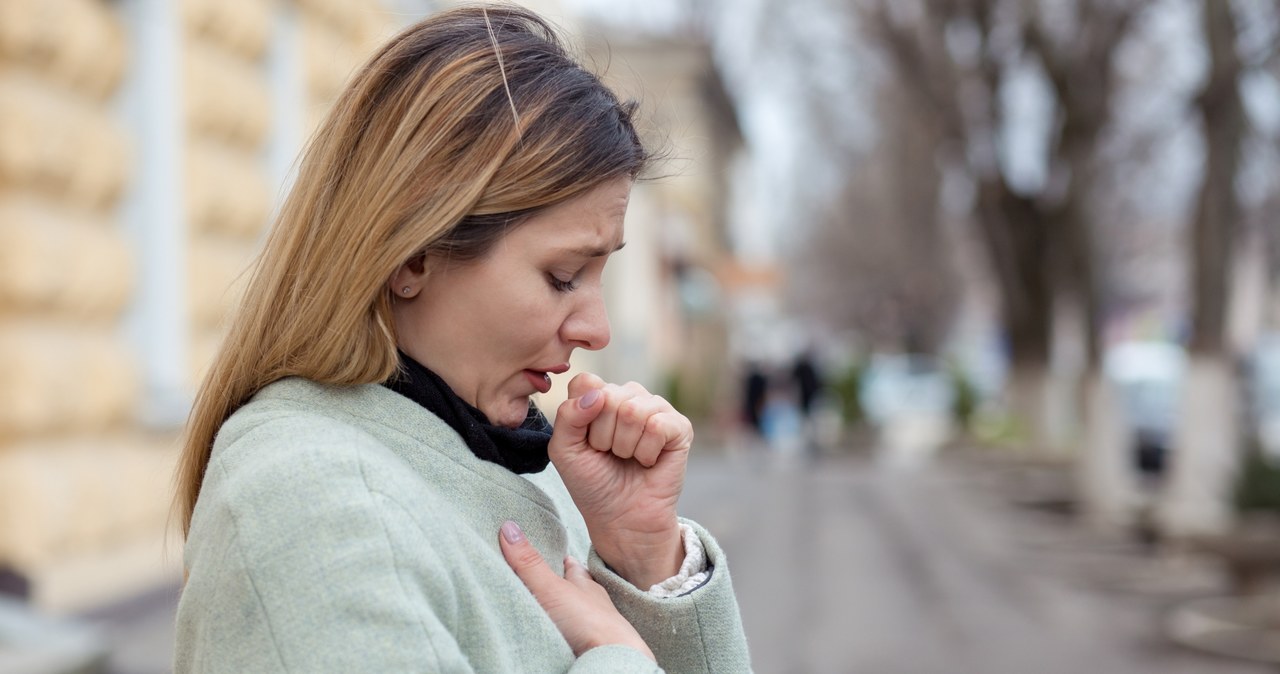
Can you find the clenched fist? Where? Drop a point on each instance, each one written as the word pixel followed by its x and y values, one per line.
pixel 622 453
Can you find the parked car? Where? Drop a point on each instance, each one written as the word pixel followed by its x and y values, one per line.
pixel 907 384
pixel 1148 377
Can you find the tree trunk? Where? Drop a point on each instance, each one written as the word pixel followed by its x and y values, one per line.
pixel 1105 486
pixel 1018 242
pixel 1108 492
pixel 1206 451
pixel 1030 400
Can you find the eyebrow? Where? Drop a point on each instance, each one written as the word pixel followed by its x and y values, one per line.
pixel 593 251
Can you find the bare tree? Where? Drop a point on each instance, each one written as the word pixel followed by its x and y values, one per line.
pixel 957 59
pixel 1206 442
pixel 877 260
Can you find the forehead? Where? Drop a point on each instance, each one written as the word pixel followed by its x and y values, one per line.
pixel 593 219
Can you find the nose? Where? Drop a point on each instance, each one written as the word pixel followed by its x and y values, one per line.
pixel 588 326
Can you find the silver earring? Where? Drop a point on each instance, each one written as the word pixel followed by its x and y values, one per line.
pixel 405 290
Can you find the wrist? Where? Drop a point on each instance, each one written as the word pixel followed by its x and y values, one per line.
pixel 645 561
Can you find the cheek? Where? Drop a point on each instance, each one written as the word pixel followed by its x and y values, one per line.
pixel 524 323
pixel 531 332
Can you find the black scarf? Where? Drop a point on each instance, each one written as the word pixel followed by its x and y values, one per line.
pixel 520 450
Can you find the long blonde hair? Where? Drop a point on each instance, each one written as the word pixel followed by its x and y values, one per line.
pixel 456 130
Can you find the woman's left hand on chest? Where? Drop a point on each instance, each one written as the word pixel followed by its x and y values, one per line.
pixel 622 456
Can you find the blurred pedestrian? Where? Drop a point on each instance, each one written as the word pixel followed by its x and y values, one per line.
pixel 808 382
pixel 365 482
pixel 808 386
pixel 755 388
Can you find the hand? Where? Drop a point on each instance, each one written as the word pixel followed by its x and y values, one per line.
pixel 622 453
pixel 579 607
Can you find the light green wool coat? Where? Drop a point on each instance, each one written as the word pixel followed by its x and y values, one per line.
pixel 351 530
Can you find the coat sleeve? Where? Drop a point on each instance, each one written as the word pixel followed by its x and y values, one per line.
pixel 698 632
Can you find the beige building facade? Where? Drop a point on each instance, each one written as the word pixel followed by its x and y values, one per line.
pixel 668 297
pixel 142 143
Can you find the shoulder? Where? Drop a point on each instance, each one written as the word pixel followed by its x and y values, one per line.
pixel 284 450
pixel 280 464
pixel 302 429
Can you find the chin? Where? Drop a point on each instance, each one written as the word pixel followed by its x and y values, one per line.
pixel 511 416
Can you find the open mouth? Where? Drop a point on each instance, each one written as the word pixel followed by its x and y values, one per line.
pixel 540 380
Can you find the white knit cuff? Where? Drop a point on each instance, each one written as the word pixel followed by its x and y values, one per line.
pixel 693 572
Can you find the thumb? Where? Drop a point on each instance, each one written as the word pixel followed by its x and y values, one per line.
pixel 574 416
pixel 584 382
pixel 524 559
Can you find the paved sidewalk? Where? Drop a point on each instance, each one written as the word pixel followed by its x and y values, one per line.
pixel 847 564
pixel 32 644
pixel 139 633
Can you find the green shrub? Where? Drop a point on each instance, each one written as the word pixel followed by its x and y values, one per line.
pixel 672 389
pixel 998 429
pixel 847 388
pixel 964 402
pixel 1258 485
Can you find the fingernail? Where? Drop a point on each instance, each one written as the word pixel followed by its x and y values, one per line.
pixel 589 399
pixel 511 531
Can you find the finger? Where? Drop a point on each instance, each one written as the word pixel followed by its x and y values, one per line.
pixel 628 427
pixel 669 431
pixel 651 443
pixel 574 416
pixel 602 429
pixel 600 435
pixel 632 417
pixel 524 559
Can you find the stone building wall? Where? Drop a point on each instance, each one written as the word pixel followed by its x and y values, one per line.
pixel 77 480
pixel 227 112
pixel 85 477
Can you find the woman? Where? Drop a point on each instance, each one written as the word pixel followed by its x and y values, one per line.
pixel 365 482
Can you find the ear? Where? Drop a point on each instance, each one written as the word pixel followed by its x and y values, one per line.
pixel 408 278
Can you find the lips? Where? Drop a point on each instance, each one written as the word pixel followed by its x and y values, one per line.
pixel 541 378
pixel 541 381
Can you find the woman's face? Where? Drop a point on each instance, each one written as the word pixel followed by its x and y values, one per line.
pixel 494 328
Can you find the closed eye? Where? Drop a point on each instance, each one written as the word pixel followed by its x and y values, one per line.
pixel 562 285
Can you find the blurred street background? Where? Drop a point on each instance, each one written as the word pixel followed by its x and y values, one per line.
pixel 973 303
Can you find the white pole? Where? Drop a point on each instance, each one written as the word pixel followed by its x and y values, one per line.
pixel 155 215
